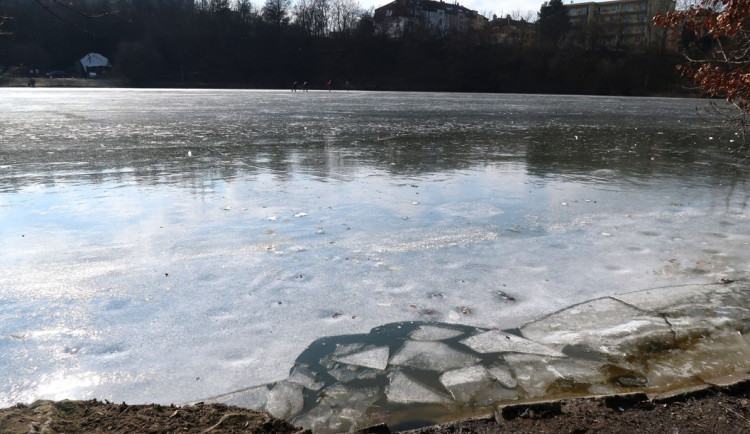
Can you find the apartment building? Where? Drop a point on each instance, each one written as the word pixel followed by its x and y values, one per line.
pixel 437 17
pixel 619 24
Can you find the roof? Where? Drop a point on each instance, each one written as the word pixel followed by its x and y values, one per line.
pixel 92 60
pixel 428 5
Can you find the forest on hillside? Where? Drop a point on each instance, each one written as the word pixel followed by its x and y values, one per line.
pixel 234 43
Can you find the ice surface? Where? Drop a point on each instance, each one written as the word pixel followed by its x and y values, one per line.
pixel 496 341
pixel 433 356
pixel 122 258
pixel 285 400
pixel 605 324
pixel 405 390
pixel 434 333
pixel 375 358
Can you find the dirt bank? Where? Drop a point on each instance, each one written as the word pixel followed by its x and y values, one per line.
pixel 58 82
pixel 715 409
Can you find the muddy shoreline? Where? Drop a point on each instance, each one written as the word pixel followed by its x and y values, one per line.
pixel 719 406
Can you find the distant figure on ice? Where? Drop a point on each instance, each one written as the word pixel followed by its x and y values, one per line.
pixel 304 87
pixel 294 87
pixel 329 85
pixel 32 82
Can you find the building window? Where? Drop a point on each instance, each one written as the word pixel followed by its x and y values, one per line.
pixel 388 12
pixel 615 7
pixel 643 5
pixel 629 7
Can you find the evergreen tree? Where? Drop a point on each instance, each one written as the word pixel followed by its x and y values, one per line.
pixel 553 23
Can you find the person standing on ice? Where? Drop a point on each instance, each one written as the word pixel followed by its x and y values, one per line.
pixel 329 85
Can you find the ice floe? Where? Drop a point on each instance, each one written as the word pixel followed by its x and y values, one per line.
pixel 403 389
pixel 375 358
pixel 496 341
pixel 432 356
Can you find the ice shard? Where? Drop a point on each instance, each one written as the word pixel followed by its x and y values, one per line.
pixel 404 389
pixel 285 400
pixel 375 358
pixel 434 333
pixel 496 341
pixel 432 356
pixel 607 325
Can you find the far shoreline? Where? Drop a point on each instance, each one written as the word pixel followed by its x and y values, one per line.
pixel 115 83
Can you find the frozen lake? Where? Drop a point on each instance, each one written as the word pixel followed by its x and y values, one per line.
pixel 172 245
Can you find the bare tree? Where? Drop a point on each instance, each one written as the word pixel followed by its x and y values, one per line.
pixel 313 16
pixel 4 33
pixel 344 15
pixel 276 12
pixel 63 9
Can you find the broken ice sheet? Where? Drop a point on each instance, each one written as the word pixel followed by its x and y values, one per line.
pixel 504 376
pixel 432 356
pixel 253 398
pixel 605 324
pixel 539 375
pixel 404 389
pixel 659 299
pixel 434 333
pixel 347 348
pixel 711 357
pixel 340 409
pixel 304 377
pixel 375 358
pixel 694 311
pixel 474 384
pixel 285 400
pixel 496 341
pixel 349 373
